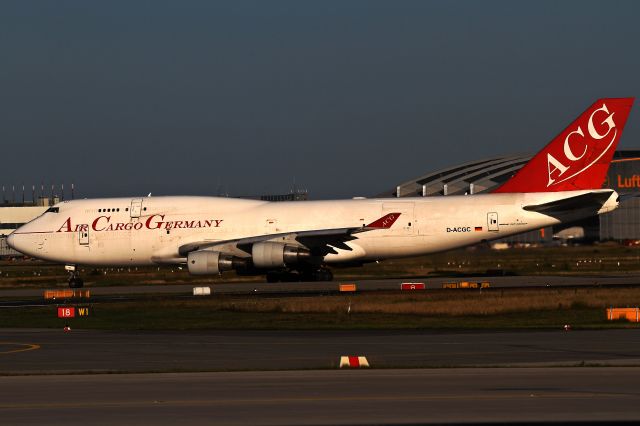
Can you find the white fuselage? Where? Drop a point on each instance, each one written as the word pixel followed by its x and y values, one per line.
pixel 145 231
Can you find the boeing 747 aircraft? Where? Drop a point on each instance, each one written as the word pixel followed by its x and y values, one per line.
pixel 300 240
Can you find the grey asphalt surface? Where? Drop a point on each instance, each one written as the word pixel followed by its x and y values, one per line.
pixel 552 376
pixel 323 397
pixel 320 287
pixel 152 351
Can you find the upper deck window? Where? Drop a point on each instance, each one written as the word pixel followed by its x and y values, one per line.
pixel 53 210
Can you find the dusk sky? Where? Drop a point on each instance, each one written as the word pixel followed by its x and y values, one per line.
pixel 349 98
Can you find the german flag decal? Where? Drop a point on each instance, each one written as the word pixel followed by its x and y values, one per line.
pixel 478 228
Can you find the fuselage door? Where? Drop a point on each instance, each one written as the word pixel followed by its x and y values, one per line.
pixel 492 222
pixel 136 207
pixel 83 235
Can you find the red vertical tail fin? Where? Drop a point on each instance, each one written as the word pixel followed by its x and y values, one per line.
pixel 578 158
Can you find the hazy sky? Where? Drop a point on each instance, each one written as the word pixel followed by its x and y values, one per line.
pixel 347 97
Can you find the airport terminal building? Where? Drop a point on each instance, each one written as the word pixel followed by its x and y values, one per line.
pixel 484 175
pixel 13 215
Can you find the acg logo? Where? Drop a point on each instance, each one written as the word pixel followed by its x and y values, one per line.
pixel 576 145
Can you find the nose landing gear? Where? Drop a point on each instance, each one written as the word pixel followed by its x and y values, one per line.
pixel 74 277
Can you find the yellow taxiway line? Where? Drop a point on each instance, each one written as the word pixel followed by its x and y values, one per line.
pixel 23 347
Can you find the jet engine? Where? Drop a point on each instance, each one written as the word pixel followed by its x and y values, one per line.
pixel 275 255
pixel 208 262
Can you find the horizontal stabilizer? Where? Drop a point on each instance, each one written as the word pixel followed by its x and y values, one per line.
pixel 592 201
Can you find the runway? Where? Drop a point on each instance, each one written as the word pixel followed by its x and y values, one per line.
pixel 431 283
pixel 204 377
pixel 382 397
pixel 291 377
pixel 82 351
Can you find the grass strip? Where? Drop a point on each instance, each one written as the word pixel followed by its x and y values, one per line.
pixel 495 309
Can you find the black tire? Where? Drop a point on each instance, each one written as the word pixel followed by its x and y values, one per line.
pixel 307 276
pixel 290 277
pixel 322 275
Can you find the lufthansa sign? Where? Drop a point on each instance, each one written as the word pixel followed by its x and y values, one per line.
pixel 628 181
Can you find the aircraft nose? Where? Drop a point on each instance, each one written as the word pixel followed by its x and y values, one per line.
pixel 16 242
pixel 10 241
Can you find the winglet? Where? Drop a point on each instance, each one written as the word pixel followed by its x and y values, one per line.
pixel 384 222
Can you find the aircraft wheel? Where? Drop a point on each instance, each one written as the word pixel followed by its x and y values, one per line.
pixel 290 277
pixel 322 275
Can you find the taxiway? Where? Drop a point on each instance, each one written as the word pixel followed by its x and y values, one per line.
pixel 82 351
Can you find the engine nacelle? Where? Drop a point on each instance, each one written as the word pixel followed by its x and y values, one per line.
pixel 208 262
pixel 276 255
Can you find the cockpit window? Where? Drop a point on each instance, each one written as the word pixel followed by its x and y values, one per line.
pixel 53 210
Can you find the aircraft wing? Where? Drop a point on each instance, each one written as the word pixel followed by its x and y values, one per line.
pixel 319 241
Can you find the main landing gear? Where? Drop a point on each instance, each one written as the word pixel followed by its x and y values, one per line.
pixel 74 277
pixel 321 274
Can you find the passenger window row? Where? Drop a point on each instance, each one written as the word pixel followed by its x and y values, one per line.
pixel 116 210
pixel 111 210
